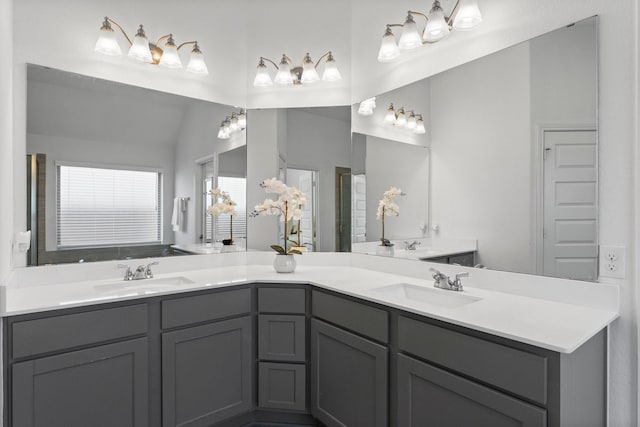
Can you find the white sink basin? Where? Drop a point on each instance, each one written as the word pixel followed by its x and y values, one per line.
pixel 406 292
pixel 144 286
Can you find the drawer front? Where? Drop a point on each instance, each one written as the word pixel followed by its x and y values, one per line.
pixel 203 308
pixel 281 300
pixel 514 370
pixel 281 338
pixel 282 386
pixel 360 318
pixel 431 396
pixel 55 333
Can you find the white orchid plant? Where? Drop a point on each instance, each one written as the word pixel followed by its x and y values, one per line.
pixel 223 205
pixel 288 206
pixel 388 207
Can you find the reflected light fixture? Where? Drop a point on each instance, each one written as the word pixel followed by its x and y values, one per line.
pixel 404 119
pixel 231 124
pixel 290 74
pixel 464 16
pixel 163 52
pixel 367 106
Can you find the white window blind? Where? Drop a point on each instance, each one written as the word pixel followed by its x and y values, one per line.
pixel 237 189
pixel 108 207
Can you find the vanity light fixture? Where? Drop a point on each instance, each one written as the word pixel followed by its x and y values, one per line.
pixel 288 73
pixel 367 106
pixel 404 119
pixel 234 123
pixel 151 53
pixel 464 16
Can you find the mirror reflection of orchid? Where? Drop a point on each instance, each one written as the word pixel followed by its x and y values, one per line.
pixel 224 206
pixel 388 207
pixel 288 206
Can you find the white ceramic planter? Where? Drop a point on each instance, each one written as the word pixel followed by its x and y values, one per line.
pixel 384 250
pixel 284 263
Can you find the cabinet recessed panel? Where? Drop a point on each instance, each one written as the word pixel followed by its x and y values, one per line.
pixel 206 372
pixel 282 386
pixel 428 396
pixel 103 386
pixel 282 338
pixel 348 378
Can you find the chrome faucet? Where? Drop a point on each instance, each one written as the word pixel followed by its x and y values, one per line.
pixel 443 282
pixel 142 271
pixel 411 246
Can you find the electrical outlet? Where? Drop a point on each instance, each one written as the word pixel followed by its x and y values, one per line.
pixel 612 261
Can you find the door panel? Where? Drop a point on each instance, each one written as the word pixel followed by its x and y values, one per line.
pixel 570 204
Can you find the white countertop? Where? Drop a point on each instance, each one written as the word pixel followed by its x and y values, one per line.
pixel 555 314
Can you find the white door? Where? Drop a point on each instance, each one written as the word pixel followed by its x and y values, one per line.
pixel 307 227
pixel 359 208
pixel 570 204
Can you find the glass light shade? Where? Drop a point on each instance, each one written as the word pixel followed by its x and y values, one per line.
pixel 367 106
pixel 170 57
pixel 140 48
pixel 262 78
pixel 411 122
pixel 234 123
pixel 222 133
pixel 365 109
pixel 388 48
pixel 420 127
pixel 309 73
pixel 227 125
pixel 331 73
pixel 283 76
pixel 107 43
pixel 242 120
pixel 468 15
pixel 196 63
pixel 410 38
pixel 390 116
pixel 437 27
pixel 401 120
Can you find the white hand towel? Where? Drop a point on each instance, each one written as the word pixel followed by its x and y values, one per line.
pixel 176 217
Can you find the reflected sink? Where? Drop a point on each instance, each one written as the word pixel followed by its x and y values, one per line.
pixel 144 286
pixel 406 292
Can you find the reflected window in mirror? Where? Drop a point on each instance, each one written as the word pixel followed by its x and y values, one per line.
pixel 99 206
pixel 82 120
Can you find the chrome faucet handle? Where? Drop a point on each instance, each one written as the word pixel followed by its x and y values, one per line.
pixel 128 275
pixel 456 283
pixel 148 273
pixel 438 277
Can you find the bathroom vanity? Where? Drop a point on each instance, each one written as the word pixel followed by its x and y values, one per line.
pixel 222 340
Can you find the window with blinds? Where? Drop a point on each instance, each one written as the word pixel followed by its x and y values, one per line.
pixel 237 189
pixel 107 207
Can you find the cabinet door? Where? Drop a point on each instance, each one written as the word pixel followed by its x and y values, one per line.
pixel 207 373
pixel 428 396
pixel 282 386
pixel 100 387
pixel 281 338
pixel 348 378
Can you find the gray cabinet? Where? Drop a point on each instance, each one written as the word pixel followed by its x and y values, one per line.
pixel 207 373
pixel 429 396
pixel 348 378
pixel 467 259
pixel 104 386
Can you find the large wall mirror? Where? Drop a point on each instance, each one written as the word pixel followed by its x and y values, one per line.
pixel 117 172
pixel 311 151
pixel 512 142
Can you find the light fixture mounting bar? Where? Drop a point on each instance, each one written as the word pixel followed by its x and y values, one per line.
pixel 111 21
